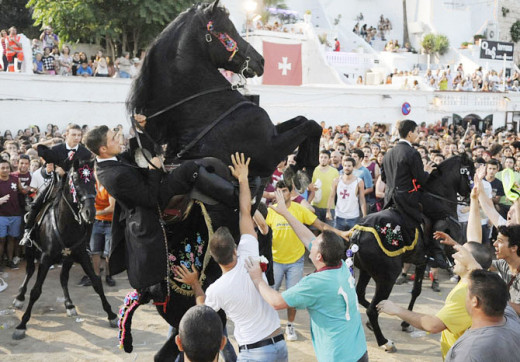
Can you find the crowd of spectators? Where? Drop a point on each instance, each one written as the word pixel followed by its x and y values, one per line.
pixel 357 153
pixel 49 59
pixel 478 80
pixel 445 79
pixel 369 33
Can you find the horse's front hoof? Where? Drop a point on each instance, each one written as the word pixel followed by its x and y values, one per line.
pixel 19 334
pixel 389 347
pixel 18 304
pixel 71 312
pixel 369 326
pixel 113 322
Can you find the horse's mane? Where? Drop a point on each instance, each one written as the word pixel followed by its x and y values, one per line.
pixel 140 92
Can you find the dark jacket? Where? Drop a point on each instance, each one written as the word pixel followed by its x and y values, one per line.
pixel 62 153
pixel 138 244
pixel 401 166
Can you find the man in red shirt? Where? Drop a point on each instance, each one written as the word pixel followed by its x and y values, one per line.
pixel 10 212
pixel 24 177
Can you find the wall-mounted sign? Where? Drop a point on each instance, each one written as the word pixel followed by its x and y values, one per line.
pixel 406 108
pixel 496 50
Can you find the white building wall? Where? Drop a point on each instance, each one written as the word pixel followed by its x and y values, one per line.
pixel 33 99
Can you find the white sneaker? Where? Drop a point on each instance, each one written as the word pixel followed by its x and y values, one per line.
pixel 16 260
pixel 291 333
pixel 3 285
pixel 455 279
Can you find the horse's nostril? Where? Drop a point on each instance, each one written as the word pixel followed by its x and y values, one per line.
pixel 262 61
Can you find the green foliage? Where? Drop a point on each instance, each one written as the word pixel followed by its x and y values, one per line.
pixel 515 31
pixel 442 44
pixel 477 37
pixel 14 12
pixel 124 24
pixel 435 44
pixel 428 43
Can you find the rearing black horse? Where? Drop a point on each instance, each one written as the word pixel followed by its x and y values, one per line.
pixel 192 108
pixel 202 115
pixel 374 235
pixel 64 231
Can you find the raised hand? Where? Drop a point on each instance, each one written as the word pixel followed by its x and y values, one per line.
pixel 240 167
pixel 280 206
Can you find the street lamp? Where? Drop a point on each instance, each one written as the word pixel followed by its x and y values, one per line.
pixel 250 7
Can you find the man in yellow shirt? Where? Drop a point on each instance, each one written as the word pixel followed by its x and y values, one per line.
pixel 453 319
pixel 288 250
pixel 322 178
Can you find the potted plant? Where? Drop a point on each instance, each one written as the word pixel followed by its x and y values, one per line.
pixel 477 37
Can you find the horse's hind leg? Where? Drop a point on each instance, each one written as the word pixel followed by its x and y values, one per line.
pixel 169 351
pixel 29 271
pixel 84 260
pixel 383 289
pixel 416 291
pixel 361 287
pixel 64 280
pixel 36 291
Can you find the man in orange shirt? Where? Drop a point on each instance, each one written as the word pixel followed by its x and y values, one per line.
pixel 14 50
pixel 101 238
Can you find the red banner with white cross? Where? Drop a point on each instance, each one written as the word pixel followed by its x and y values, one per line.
pixel 283 64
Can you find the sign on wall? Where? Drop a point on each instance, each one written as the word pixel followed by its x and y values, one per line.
pixel 496 50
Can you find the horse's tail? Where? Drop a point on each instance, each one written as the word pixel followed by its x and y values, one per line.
pixel 126 313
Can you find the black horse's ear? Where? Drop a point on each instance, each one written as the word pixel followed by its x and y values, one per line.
pixel 213 7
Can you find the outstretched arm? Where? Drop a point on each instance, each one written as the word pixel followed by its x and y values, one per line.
pixel 303 233
pixel 426 322
pixel 240 171
pixel 270 295
pixel 474 229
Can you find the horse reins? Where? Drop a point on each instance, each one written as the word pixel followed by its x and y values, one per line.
pixel 231 46
pixel 446 199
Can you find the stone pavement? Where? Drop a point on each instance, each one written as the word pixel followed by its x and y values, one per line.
pixel 51 335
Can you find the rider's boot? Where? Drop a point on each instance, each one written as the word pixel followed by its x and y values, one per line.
pixel 219 188
pixel 30 217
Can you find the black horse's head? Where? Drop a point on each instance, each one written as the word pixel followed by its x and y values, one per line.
pixel 455 174
pixel 226 48
pixel 80 190
pixel 466 170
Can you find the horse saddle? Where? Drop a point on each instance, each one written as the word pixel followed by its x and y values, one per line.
pixel 213 178
pixel 50 195
pixel 387 227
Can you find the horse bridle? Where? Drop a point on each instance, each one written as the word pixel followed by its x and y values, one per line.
pixel 464 170
pixel 231 46
pixel 72 187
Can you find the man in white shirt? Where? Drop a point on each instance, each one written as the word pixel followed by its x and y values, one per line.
pixel 257 325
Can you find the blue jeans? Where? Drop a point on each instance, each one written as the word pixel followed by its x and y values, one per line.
pixel 345 224
pixel 124 74
pixel 10 226
pixel 101 238
pixel 270 353
pixel 293 273
pixel 321 214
